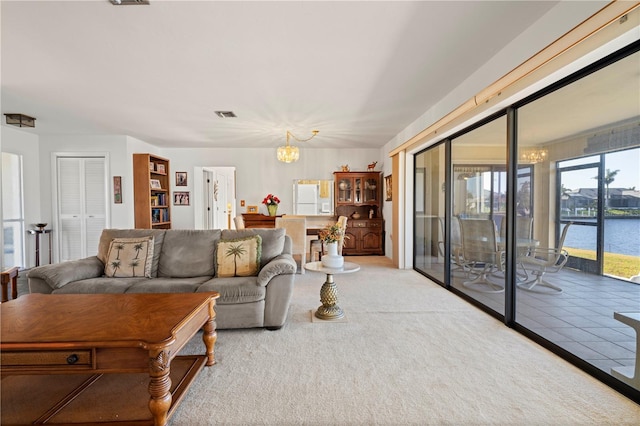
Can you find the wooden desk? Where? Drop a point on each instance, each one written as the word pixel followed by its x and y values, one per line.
pixel 257 220
pixel 9 276
pixel 97 335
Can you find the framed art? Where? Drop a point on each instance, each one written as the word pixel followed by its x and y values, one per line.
pixel 181 198
pixel 160 168
pixel 155 184
pixel 387 188
pixel 181 178
pixel 252 209
pixel 117 189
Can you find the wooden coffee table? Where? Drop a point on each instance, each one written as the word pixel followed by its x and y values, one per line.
pixel 97 334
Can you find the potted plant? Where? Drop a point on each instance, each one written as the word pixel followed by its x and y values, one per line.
pixel 330 236
pixel 271 201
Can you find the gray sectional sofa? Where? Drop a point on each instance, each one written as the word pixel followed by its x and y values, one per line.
pixel 185 261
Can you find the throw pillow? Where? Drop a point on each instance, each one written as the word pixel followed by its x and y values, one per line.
pixel 238 257
pixel 129 257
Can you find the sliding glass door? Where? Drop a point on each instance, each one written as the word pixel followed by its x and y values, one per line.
pixel 547 238
pixel 429 242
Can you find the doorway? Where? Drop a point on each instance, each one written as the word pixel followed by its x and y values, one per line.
pixel 215 207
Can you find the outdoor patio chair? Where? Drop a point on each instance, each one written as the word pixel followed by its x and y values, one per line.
pixel 481 255
pixel 543 260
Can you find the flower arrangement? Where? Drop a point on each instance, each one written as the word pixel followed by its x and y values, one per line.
pixel 271 200
pixel 332 233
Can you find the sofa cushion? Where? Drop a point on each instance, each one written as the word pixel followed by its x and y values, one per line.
pixel 272 240
pixel 188 253
pixel 110 234
pixel 99 285
pixel 57 275
pixel 129 257
pixel 235 290
pixel 168 285
pixel 238 257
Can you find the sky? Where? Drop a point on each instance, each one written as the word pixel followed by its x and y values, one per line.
pixel 627 162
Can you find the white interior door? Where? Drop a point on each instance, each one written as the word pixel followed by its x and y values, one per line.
pixel 220 201
pixel 207 196
pixel 81 205
pixel 215 206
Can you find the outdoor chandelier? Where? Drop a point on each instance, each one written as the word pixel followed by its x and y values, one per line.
pixel 533 156
pixel 289 153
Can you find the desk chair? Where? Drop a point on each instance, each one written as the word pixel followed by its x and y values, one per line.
pixel 239 222
pixel 296 229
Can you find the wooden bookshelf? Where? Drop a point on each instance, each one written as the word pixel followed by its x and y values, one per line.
pixel 152 204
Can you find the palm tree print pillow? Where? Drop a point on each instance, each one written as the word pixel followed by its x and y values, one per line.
pixel 129 257
pixel 239 257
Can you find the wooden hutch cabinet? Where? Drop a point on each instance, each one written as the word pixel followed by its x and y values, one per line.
pixel 151 195
pixel 358 195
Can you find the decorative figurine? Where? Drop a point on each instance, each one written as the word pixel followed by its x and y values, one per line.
pixel 345 168
pixel 372 166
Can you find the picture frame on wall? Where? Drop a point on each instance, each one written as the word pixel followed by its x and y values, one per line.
pixel 387 188
pixel 155 184
pixel 181 178
pixel 181 198
pixel 117 189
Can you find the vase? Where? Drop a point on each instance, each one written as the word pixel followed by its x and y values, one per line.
pixel 332 259
pixel 273 209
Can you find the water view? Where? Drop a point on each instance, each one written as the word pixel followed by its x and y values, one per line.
pixel 620 236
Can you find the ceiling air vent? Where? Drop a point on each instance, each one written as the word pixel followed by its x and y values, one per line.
pixel 226 114
pixel 128 2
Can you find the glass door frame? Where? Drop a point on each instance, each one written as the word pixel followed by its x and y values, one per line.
pixel 591 266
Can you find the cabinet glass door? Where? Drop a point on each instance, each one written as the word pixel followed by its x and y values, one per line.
pixel 358 190
pixel 345 190
pixel 371 190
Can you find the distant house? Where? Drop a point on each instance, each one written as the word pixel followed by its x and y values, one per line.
pixel 585 198
pixel 624 198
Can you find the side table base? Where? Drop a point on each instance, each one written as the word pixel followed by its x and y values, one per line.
pixel 331 313
pixel 329 298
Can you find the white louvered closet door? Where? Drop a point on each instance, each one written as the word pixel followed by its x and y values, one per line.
pixel 81 205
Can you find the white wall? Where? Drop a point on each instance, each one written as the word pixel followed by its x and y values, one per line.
pixel 24 143
pixel 258 173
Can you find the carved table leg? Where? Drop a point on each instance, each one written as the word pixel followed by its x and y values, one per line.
pixel 159 386
pixel 329 298
pixel 209 336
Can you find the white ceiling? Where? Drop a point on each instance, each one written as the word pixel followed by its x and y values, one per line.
pixel 360 72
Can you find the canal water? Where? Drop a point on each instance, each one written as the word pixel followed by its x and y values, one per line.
pixel 620 236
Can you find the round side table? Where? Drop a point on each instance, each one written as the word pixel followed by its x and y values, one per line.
pixel 329 291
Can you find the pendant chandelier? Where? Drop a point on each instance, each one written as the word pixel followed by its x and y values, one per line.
pixel 289 153
pixel 533 156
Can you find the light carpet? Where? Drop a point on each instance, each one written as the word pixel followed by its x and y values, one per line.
pixel 409 353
